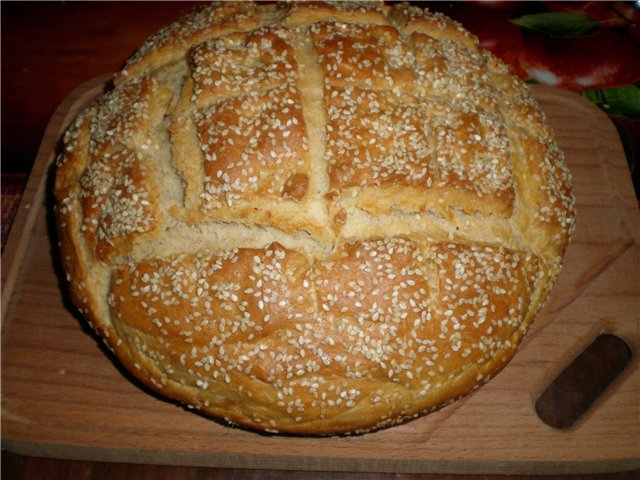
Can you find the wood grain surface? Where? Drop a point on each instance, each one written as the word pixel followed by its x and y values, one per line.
pixel 64 397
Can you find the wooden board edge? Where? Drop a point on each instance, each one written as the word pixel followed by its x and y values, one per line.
pixel 320 464
pixel 27 212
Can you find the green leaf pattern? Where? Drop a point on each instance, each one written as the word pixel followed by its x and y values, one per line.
pixel 559 24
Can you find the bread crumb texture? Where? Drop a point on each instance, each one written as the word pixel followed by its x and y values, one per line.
pixel 313 218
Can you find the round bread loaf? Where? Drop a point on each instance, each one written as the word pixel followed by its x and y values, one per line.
pixel 312 218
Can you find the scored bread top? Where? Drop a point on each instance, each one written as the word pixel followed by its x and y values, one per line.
pixel 312 217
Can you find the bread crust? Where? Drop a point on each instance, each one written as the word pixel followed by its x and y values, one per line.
pixel 314 218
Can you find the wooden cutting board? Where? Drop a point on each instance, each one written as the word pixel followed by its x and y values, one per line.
pixel 63 396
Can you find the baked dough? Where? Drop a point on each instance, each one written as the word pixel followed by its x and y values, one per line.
pixel 312 218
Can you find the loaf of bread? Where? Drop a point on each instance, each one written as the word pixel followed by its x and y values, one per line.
pixel 312 218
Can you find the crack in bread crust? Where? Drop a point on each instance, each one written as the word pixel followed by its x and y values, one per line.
pixel 313 218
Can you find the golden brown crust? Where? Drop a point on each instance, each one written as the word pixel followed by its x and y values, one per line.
pixel 172 42
pixel 449 154
pixel 374 56
pixel 314 218
pixel 432 24
pixel 308 13
pixel 383 315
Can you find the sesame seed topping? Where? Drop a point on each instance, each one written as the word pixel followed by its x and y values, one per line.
pixel 312 211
